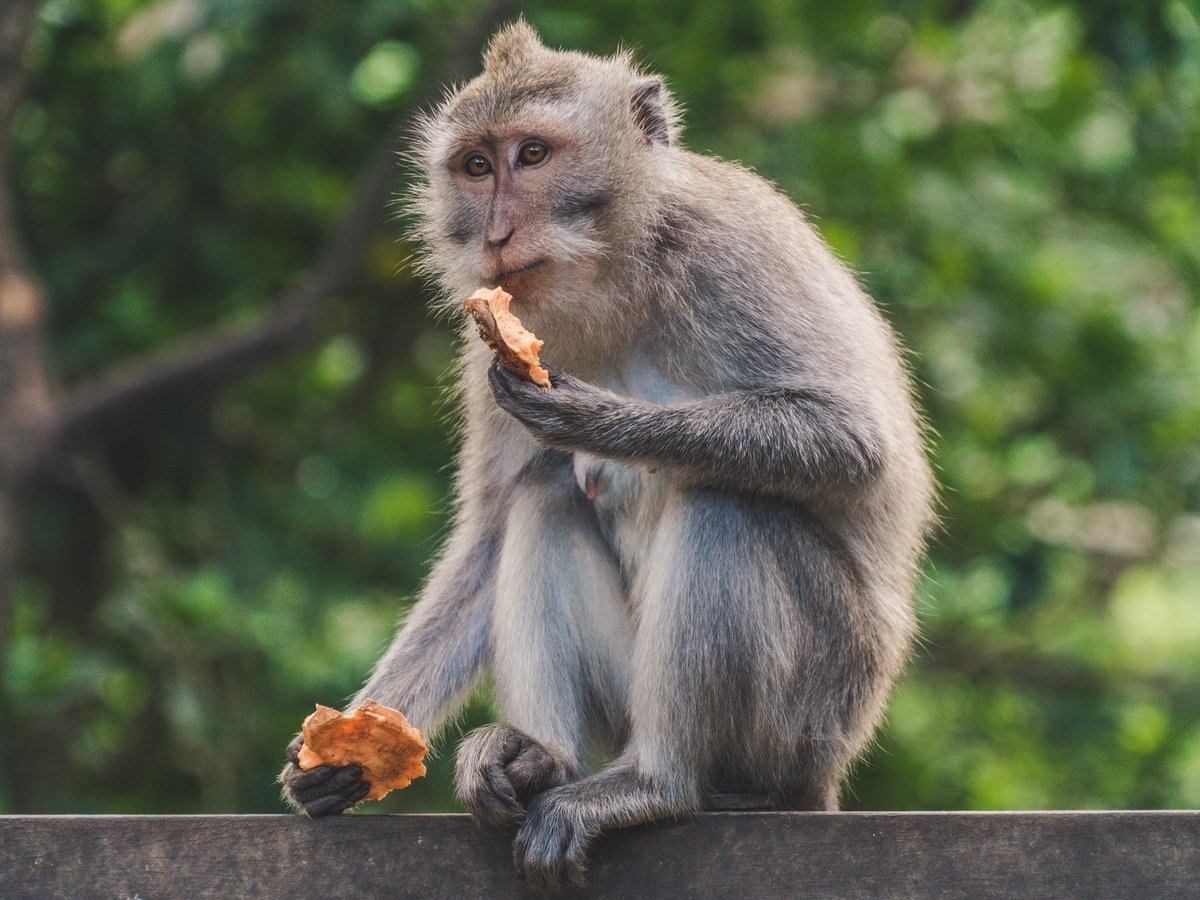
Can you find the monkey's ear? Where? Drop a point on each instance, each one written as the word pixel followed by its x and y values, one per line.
pixel 510 43
pixel 650 112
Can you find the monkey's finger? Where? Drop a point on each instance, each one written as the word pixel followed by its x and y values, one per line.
pixel 562 381
pixel 303 780
pixel 494 802
pixel 525 402
pixel 500 380
pixel 513 384
pixel 293 749
pixel 337 802
pixel 322 792
pixel 342 780
pixel 355 798
pixel 513 744
pixel 318 781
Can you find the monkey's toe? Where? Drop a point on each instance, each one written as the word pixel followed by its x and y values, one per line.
pixel 501 770
pixel 550 850
pixel 490 798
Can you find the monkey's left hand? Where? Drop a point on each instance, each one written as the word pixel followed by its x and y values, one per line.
pixel 561 416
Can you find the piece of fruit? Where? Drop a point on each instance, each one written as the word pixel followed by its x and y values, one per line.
pixel 375 737
pixel 516 348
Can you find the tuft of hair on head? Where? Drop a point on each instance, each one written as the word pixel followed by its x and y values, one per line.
pixel 513 42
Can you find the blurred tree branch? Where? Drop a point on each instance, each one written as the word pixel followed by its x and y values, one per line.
pixel 210 361
pixel 26 406
pixel 216 359
pixel 38 421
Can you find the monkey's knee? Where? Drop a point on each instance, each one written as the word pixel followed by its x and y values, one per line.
pixel 500 770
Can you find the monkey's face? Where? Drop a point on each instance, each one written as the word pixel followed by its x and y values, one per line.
pixel 524 202
pixel 534 175
pixel 525 206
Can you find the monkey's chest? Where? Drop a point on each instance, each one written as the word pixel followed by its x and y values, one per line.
pixel 628 500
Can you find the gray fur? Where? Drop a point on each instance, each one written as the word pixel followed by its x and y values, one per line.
pixel 698 549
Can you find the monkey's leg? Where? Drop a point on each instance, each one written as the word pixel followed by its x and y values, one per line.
pixel 758 665
pixel 561 642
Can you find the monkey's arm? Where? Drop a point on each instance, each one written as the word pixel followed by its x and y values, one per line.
pixel 438 652
pixel 442 646
pixel 773 439
pixel 426 671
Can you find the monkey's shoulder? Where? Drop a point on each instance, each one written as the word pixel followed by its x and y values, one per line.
pixel 716 190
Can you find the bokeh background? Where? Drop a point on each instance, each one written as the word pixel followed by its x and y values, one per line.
pixel 224 438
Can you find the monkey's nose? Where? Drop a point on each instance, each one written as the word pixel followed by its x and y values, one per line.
pixel 501 236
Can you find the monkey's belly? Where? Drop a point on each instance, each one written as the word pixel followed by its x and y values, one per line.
pixel 627 502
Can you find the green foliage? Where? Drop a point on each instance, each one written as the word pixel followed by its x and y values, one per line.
pixel 1016 182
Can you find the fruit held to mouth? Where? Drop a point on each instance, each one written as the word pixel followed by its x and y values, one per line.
pixel 376 738
pixel 516 348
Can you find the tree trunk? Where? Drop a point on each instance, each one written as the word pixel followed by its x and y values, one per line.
pixel 26 408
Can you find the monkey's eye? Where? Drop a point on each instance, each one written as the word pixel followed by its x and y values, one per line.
pixel 532 153
pixel 477 165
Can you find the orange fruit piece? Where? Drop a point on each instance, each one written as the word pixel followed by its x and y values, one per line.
pixel 375 737
pixel 516 347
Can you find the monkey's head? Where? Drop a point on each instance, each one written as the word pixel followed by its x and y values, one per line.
pixel 538 174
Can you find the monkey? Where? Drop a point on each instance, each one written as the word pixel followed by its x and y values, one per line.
pixel 693 558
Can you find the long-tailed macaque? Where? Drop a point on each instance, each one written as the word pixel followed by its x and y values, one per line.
pixel 694 556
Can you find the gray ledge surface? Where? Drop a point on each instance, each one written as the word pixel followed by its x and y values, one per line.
pixel 724 854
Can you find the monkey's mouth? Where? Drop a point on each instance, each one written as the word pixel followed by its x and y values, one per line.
pixel 521 270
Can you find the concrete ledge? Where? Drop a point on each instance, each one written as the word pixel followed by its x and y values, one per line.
pixel 726 854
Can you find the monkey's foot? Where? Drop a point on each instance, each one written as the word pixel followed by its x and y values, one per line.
pixel 550 851
pixel 324 790
pixel 501 769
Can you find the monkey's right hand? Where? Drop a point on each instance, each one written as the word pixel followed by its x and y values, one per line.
pixel 323 791
pixel 500 770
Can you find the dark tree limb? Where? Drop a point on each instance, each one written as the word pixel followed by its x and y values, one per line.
pixel 211 361
pixel 36 422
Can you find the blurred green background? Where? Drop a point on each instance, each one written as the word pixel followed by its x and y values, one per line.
pixel 1016 182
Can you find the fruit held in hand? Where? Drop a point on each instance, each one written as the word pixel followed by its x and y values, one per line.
pixel 374 737
pixel 516 348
